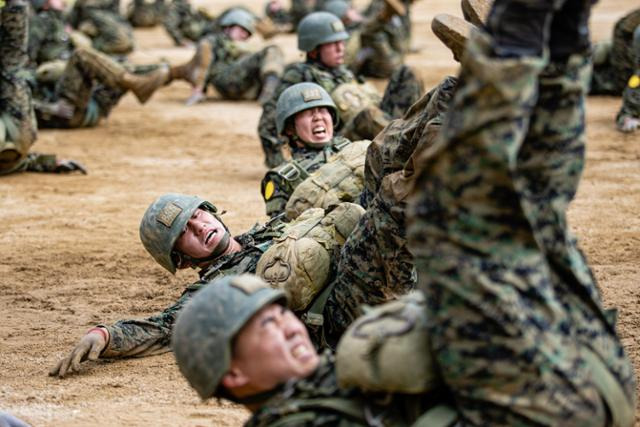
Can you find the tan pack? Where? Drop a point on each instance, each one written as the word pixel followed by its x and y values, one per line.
pixel 299 262
pixel 387 349
pixel 351 98
pixel 341 179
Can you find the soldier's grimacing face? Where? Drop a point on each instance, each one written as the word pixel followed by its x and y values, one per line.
pixel 272 348
pixel 237 33
pixel 201 235
pixel 332 54
pixel 314 125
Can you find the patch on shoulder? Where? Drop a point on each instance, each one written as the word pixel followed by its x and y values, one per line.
pixel 168 214
pixel 311 95
pixel 634 81
pixel 269 189
pixel 248 283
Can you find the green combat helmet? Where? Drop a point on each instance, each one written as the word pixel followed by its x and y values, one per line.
pixel 240 17
pixel 205 328
pixel 300 97
pixel 164 222
pixel 337 7
pixel 319 28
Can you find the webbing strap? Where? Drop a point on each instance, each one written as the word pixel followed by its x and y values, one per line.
pixel 438 416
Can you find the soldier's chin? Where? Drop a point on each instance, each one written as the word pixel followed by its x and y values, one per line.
pixel 222 245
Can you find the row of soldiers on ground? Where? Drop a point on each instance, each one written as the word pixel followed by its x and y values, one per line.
pixel 202 241
pixel 509 328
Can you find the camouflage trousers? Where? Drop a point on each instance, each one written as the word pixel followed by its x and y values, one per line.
pixel 516 323
pixel 402 91
pixel 109 32
pixel 143 14
pixel 375 266
pixel 18 128
pixel 615 62
pixel 242 79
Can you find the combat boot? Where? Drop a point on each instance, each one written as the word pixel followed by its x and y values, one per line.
pixel 143 86
pixel 453 32
pixel 195 71
pixel 269 85
pixel 476 11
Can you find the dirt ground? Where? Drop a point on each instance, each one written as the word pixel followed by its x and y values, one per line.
pixel 70 256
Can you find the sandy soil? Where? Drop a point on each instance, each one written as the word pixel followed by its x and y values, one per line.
pixel 70 256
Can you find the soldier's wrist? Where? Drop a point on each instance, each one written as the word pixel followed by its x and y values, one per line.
pixel 100 330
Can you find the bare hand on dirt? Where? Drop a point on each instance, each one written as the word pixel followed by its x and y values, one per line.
pixel 196 96
pixel 89 348
pixel 629 124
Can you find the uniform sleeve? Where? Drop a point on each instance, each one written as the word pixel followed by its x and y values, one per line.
pixel 137 338
pixel 276 191
pixel 36 37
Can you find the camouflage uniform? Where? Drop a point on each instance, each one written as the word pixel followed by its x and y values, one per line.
pixel 102 22
pixel 183 23
pixel 238 73
pixel 17 121
pixel 516 323
pixel 92 94
pixel 153 335
pixel 631 95
pixel 317 400
pixel 398 29
pixel 402 91
pixel 375 265
pixel 286 177
pixel 615 62
pixel 299 9
pixel 144 13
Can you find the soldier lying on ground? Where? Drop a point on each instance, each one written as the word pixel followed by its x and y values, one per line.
pixel 306 116
pixel 628 118
pixel 237 340
pixel 185 231
pixel 321 35
pixel 77 87
pixel 101 21
pixel 515 319
pixel 18 129
pixel 225 62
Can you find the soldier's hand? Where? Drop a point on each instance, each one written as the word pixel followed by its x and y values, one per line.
pixel 64 109
pixel 89 348
pixel 196 96
pixel 629 124
pixel 65 166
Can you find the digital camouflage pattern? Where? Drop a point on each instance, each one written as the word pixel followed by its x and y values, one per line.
pixel 615 62
pixel 184 23
pixel 48 38
pixel 153 335
pixel 101 21
pixel 18 128
pixel 318 401
pixel 236 71
pixel 279 183
pixel 309 71
pixel 404 88
pixel 375 265
pixel 145 13
pixel 508 290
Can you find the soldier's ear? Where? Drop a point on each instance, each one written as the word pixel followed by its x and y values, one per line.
pixel 234 379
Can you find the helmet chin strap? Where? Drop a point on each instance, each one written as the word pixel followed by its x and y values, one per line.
pixel 220 248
